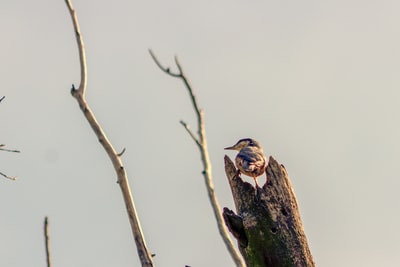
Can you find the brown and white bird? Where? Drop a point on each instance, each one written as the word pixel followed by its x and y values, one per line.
pixel 251 159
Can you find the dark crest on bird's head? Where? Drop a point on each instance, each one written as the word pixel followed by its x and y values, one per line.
pixel 245 142
pixel 250 142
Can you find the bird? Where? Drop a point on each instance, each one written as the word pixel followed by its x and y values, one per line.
pixel 250 160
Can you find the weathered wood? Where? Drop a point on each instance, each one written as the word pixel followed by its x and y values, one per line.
pixel 267 224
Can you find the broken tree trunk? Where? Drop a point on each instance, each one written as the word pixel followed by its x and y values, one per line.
pixel 267 225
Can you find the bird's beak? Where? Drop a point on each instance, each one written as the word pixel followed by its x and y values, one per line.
pixel 230 148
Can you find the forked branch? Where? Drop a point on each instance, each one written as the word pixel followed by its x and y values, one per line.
pixel 79 95
pixel 201 142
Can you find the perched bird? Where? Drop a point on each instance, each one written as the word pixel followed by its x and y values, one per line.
pixel 251 159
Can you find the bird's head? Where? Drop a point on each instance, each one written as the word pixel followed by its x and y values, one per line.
pixel 242 143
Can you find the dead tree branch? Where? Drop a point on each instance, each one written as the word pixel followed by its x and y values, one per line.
pixel 79 95
pixel 201 143
pixel 47 241
pixel 8 150
pixel 8 177
pixel 267 225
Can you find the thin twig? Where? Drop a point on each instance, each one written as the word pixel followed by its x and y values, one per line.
pixel 166 70
pixel 8 177
pixel 1 98
pixel 122 152
pixel 47 241
pixel 8 150
pixel 79 95
pixel 187 127
pixel 199 112
pixel 201 142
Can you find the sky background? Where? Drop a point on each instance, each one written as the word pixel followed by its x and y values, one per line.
pixel 316 82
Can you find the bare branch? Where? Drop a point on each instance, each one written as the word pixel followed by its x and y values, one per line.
pixel 201 142
pixel 8 150
pixel 182 76
pixel 199 112
pixel 122 152
pixel 190 133
pixel 79 95
pixel 81 48
pixel 166 70
pixel 47 241
pixel 1 98
pixel 8 177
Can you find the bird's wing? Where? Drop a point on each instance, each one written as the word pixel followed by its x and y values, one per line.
pixel 252 157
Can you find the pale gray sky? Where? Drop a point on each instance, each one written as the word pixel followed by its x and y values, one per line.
pixel 316 82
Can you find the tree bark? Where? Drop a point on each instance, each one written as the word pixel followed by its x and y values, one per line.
pixel 267 225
